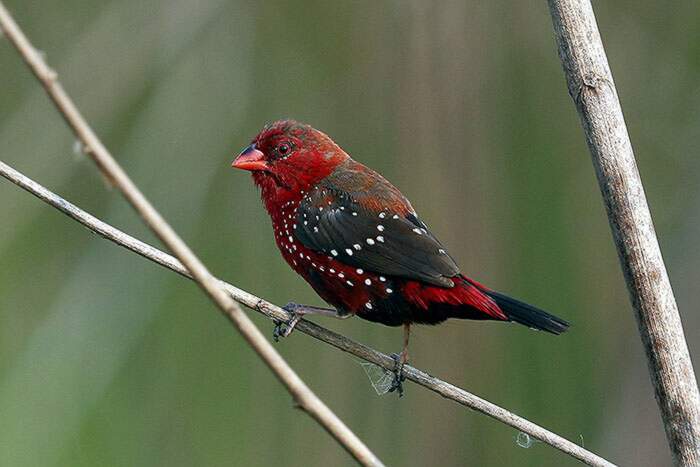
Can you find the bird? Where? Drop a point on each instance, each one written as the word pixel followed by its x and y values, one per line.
pixel 359 243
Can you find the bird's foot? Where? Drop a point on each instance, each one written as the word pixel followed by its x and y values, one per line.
pixel 284 329
pixel 297 311
pixel 399 378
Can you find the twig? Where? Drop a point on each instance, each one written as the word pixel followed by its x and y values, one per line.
pixel 591 86
pixel 443 388
pixel 303 396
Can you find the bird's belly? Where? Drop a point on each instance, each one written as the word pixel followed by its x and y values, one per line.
pixel 346 288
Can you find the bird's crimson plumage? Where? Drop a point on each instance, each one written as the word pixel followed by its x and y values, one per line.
pixel 358 241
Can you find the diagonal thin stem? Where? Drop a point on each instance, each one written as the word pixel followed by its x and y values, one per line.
pixel 302 394
pixel 364 352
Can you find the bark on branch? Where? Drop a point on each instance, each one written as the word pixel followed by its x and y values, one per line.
pixel 593 90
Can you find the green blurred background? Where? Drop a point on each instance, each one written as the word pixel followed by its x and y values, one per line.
pixel 106 359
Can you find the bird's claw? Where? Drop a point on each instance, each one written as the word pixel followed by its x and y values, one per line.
pixel 282 328
pixel 399 378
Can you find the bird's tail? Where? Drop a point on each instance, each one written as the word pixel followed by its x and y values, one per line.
pixel 528 315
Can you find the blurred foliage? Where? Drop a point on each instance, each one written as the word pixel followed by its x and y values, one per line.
pixel 105 359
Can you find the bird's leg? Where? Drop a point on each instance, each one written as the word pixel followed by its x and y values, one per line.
pixel 297 312
pixel 401 359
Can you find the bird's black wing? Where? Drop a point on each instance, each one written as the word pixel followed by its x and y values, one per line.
pixel 333 222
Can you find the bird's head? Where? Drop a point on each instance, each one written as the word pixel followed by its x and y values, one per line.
pixel 287 158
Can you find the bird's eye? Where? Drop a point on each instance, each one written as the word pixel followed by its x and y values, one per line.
pixel 284 149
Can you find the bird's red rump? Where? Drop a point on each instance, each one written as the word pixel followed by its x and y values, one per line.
pixel 465 292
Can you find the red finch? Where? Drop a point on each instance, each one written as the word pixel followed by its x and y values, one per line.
pixel 359 243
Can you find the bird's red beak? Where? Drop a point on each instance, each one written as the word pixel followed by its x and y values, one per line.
pixel 250 159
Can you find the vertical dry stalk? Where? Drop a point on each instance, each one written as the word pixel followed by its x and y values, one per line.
pixel 301 393
pixel 592 88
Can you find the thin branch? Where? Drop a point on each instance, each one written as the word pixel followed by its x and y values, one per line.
pixel 592 88
pixel 302 394
pixel 273 312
